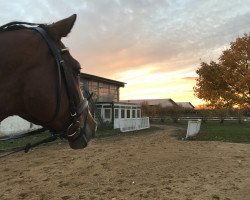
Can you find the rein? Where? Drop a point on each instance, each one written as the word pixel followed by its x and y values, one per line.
pixel 76 109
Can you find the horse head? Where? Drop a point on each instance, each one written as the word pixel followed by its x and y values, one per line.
pixel 81 126
pixel 45 83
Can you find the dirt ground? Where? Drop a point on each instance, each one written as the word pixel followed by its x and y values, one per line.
pixel 142 166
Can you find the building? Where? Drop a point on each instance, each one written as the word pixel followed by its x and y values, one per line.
pixel 110 111
pixel 153 102
pixel 186 105
pixel 103 89
pixel 123 116
pixel 107 107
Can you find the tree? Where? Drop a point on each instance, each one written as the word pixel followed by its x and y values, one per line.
pixel 226 83
pixel 161 112
pixel 149 110
pixel 174 112
pixel 222 113
pixel 146 109
pixel 205 113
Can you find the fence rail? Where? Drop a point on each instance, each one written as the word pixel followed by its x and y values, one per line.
pixel 126 125
pixel 207 118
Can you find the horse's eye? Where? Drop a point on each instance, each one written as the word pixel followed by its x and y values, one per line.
pixel 78 71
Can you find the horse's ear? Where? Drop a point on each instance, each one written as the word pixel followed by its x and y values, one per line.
pixel 63 27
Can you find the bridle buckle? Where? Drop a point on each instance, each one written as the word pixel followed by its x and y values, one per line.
pixel 73 115
pixel 75 126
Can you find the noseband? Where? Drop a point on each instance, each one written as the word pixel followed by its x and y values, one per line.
pixel 72 129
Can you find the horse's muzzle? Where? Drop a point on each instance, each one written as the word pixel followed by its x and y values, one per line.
pixel 79 136
pixel 81 141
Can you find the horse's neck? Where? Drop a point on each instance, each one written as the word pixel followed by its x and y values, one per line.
pixel 10 71
pixel 6 99
pixel 10 94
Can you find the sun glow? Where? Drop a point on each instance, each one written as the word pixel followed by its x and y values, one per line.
pixel 150 82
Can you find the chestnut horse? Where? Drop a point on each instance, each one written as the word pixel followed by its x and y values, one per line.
pixel 39 80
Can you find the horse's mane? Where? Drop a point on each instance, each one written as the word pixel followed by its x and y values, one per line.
pixel 12 26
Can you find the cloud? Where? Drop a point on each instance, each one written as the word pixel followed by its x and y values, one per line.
pixel 189 78
pixel 125 34
pixel 114 37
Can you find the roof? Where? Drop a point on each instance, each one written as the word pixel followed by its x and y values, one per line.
pixel 98 78
pixel 153 102
pixel 186 105
pixel 119 102
pixel 113 102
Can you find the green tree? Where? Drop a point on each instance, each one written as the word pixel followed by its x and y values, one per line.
pixel 226 83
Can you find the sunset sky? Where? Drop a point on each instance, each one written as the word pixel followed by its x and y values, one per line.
pixel 154 46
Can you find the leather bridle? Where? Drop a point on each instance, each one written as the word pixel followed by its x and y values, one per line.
pixel 73 128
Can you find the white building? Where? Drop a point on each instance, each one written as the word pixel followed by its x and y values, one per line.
pixel 126 116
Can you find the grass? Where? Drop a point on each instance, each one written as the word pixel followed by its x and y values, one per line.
pixel 5 145
pixel 229 131
pixel 101 132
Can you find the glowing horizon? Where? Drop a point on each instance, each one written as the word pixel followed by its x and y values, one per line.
pixel 150 83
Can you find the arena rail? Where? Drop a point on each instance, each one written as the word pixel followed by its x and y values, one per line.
pixel 126 125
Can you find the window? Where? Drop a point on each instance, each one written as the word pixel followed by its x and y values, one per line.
pixel 116 113
pixel 122 113
pixel 138 113
pixel 133 114
pixel 128 113
pixel 107 113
